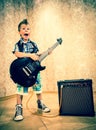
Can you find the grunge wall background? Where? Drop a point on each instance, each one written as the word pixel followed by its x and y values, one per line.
pixel 73 20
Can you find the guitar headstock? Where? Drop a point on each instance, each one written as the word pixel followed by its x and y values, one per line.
pixel 59 40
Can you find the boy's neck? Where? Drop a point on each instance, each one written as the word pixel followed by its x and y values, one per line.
pixel 25 40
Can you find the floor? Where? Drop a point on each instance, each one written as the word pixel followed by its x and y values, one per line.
pixel 35 120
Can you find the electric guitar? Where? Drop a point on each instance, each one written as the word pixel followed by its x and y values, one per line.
pixel 24 71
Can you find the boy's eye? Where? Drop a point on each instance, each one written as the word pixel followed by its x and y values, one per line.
pixel 23 28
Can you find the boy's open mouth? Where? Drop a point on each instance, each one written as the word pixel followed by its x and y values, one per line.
pixel 26 34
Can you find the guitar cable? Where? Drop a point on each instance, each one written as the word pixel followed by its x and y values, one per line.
pixel 40 114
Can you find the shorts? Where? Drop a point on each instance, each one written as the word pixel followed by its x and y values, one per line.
pixel 37 87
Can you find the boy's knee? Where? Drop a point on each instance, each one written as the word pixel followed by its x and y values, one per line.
pixel 37 88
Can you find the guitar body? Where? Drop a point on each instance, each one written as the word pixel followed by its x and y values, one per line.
pixel 24 71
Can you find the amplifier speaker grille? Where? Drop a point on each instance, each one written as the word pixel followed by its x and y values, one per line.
pixel 76 97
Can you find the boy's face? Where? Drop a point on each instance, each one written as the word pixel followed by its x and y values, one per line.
pixel 25 32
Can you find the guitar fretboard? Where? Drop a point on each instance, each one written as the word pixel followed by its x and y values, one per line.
pixel 45 54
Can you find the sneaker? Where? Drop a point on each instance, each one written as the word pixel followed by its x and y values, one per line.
pixel 19 111
pixel 42 107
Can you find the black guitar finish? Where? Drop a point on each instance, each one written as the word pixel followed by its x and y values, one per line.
pixel 24 71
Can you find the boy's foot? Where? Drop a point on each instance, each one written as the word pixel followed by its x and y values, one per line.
pixel 42 107
pixel 18 115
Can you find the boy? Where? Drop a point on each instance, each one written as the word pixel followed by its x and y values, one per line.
pixel 29 49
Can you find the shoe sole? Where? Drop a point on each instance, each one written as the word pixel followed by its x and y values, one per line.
pixel 20 118
pixel 43 110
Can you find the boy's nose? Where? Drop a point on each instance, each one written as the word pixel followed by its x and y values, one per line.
pixel 26 29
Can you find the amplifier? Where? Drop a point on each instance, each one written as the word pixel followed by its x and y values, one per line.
pixel 76 97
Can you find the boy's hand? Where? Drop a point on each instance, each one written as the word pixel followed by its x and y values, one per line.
pixel 34 57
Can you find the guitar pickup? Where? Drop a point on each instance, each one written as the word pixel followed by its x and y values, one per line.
pixel 26 70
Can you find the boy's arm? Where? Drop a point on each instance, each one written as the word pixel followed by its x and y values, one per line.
pixel 33 56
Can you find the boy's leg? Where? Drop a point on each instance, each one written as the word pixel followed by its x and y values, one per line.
pixel 19 99
pixel 38 90
pixel 19 109
pixel 41 105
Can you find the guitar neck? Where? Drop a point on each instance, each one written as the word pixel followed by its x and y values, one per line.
pixel 45 54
